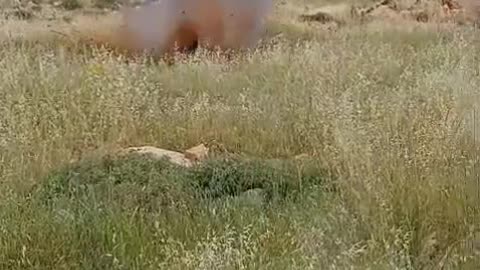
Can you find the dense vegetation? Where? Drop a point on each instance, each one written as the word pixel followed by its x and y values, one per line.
pixel 385 112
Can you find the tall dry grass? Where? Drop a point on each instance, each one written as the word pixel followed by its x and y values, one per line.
pixel 387 115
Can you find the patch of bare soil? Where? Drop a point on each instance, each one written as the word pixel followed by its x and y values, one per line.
pixel 421 11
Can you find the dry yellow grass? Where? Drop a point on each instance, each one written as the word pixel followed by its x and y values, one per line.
pixel 385 111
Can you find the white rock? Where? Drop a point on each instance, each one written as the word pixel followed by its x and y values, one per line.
pixel 158 153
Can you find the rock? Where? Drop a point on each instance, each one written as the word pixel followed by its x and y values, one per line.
pixel 301 157
pixel 158 153
pixel 422 16
pixel 452 4
pixel 197 153
pixel 255 192
pixel 187 159
pixel 251 197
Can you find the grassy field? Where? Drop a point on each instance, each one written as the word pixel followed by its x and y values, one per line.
pixel 384 110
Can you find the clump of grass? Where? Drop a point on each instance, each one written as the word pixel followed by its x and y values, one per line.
pixel 71 4
pixel 159 183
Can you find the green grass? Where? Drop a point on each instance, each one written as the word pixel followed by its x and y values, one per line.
pixel 385 114
pixel 139 213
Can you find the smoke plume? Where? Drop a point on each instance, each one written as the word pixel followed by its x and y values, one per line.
pixel 165 25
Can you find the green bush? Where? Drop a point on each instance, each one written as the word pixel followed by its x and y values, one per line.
pixel 141 182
